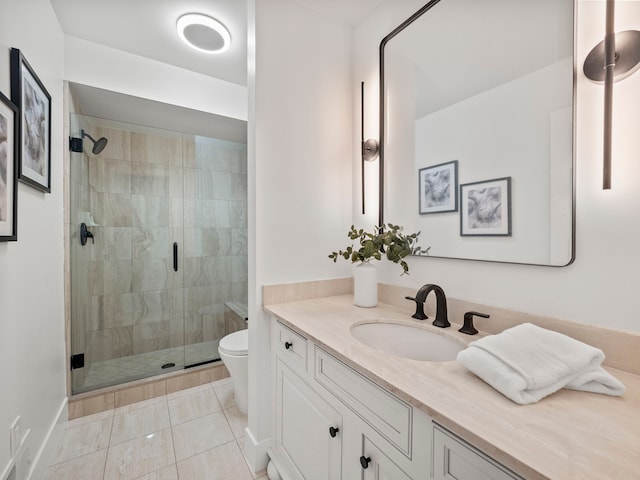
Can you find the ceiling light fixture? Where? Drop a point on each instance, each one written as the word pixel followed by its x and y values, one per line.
pixel 203 33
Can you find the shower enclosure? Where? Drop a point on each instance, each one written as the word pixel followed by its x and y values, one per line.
pixel 158 250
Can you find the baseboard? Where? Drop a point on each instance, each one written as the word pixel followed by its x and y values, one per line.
pixel 255 452
pixel 51 442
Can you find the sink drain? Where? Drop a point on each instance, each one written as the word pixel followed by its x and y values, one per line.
pixel 168 365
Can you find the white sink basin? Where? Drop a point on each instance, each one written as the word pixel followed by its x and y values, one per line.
pixel 407 341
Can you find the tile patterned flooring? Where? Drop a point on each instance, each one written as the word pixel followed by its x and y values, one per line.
pixel 193 434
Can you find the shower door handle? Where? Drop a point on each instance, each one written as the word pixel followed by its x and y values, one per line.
pixel 175 256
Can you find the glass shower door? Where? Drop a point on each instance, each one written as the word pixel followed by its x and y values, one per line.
pixel 164 277
pixel 127 292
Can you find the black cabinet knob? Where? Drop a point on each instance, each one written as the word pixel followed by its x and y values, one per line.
pixel 288 345
pixel 365 461
pixel 333 431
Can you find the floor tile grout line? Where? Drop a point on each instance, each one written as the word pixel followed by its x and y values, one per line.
pixel 173 444
pixel 208 450
pixel 155 471
pixel 212 448
pixel 229 424
pixel 139 435
pixel 76 458
pixel 173 447
pixel 104 467
pixel 106 458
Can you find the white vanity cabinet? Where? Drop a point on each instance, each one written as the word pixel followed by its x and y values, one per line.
pixel 330 422
pixel 306 447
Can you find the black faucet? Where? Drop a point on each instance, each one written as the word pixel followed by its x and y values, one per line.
pixel 441 305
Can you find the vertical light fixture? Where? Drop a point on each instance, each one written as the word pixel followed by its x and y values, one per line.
pixel 612 60
pixel 368 148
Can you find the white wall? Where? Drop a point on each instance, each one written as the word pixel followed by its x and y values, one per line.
pixel 104 67
pixel 600 287
pixel 32 349
pixel 300 165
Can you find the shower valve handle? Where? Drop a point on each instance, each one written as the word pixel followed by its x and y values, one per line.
pixel 85 234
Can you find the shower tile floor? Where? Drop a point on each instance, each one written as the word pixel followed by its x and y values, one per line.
pixel 194 434
pixel 126 369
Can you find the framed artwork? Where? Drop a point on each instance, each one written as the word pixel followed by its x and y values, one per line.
pixel 34 104
pixel 438 188
pixel 486 208
pixel 8 166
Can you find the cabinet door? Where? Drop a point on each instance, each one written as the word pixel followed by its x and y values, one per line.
pixel 304 441
pixel 454 459
pixel 378 465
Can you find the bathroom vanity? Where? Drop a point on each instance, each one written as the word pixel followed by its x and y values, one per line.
pixel 343 410
pixel 353 425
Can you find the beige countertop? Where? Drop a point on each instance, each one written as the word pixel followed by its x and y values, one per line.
pixel 568 435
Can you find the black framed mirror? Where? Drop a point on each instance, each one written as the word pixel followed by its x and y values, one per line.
pixel 477 109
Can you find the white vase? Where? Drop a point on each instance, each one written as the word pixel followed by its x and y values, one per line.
pixel 365 285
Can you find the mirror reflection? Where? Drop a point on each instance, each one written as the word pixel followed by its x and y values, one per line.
pixel 477 129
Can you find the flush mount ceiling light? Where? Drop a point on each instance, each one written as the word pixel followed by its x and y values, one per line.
pixel 203 33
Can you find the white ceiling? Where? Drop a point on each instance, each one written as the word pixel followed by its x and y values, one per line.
pixel 147 28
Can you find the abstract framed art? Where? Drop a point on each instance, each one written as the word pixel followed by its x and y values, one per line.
pixel 486 208
pixel 8 166
pixel 438 188
pixel 34 104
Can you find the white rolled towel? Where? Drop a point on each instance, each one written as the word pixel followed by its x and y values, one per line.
pixel 526 363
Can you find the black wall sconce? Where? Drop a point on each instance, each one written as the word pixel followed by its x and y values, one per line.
pixel 612 60
pixel 368 148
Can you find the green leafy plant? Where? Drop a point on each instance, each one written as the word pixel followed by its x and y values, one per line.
pixel 387 240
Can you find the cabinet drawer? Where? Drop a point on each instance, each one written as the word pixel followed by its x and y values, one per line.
pixel 384 412
pixel 454 459
pixel 290 346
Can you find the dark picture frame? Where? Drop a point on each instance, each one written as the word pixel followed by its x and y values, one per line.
pixel 29 94
pixel 485 208
pixel 9 139
pixel 438 188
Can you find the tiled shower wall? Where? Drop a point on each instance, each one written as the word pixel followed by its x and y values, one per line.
pixel 215 235
pixel 147 190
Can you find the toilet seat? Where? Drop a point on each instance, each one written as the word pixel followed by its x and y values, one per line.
pixel 236 343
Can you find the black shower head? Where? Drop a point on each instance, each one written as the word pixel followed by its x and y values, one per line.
pixel 98 145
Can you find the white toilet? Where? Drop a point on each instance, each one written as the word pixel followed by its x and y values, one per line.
pixel 233 350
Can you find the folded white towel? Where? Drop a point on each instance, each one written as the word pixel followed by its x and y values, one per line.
pixel 526 363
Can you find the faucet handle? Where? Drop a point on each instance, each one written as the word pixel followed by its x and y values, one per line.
pixel 468 327
pixel 420 315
